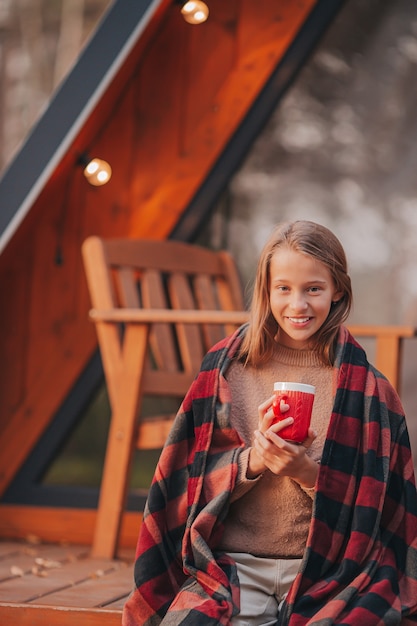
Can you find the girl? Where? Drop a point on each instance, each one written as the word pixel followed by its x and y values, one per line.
pixel 243 527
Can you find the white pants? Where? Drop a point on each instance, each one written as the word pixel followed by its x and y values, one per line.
pixel 264 584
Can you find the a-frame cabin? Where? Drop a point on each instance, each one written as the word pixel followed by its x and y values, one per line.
pixel 173 108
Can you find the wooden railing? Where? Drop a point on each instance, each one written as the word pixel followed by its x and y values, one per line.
pixel 388 348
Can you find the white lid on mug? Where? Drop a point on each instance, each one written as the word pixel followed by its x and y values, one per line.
pixel 288 386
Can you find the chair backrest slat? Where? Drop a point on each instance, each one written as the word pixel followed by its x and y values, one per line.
pixel 163 350
pixel 189 335
pixel 125 285
pixel 208 296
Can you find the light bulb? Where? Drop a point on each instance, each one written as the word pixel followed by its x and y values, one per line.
pixel 195 11
pixel 98 172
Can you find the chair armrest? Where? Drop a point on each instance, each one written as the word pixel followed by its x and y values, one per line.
pixel 368 330
pixel 172 316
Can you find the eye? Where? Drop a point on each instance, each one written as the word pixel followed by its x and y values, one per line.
pixel 314 289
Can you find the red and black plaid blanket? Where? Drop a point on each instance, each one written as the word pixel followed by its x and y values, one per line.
pixel 360 563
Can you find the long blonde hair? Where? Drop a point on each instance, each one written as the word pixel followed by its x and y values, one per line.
pixel 320 243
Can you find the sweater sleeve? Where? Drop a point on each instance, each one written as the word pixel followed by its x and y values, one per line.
pixel 309 491
pixel 243 483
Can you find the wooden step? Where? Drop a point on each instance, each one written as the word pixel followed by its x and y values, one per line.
pixel 59 585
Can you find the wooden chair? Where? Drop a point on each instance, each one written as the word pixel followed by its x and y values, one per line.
pixel 157 306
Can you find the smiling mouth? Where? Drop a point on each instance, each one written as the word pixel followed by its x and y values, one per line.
pixel 299 320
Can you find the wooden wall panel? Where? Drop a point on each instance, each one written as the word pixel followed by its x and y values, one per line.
pixel 207 69
pixel 58 340
pixel 157 111
pixel 14 338
pixel 51 302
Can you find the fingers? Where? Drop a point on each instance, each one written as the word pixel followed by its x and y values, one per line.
pixel 278 455
pixel 266 414
pixel 266 405
pixel 283 457
pixel 280 425
pixel 272 434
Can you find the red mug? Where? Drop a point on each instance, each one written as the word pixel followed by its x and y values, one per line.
pixel 293 400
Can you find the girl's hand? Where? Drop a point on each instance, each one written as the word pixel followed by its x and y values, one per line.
pixel 266 416
pixel 281 457
pixel 256 463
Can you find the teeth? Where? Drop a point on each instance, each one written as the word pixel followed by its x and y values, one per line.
pixel 298 320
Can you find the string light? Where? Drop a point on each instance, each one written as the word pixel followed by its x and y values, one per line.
pixel 97 171
pixel 195 11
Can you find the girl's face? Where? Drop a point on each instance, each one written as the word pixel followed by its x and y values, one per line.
pixel 301 294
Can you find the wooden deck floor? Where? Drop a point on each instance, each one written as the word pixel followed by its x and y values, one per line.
pixel 57 585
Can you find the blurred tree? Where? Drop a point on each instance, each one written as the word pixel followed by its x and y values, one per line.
pixel 39 42
pixel 70 37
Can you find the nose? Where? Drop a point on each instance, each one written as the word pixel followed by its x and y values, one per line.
pixel 298 301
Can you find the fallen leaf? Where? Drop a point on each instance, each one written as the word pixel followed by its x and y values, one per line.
pixel 17 571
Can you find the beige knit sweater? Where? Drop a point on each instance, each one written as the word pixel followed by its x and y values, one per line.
pixel 270 515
